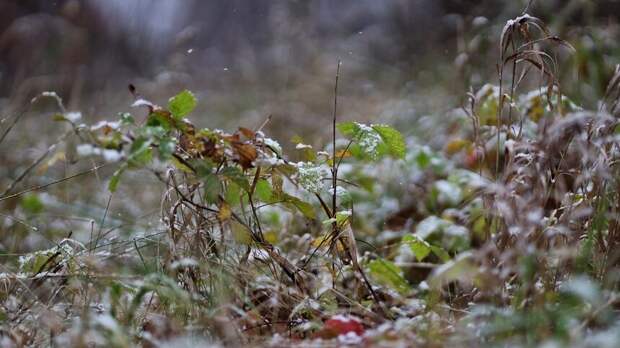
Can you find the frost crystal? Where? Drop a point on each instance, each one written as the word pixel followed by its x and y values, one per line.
pixel 350 338
pixel 85 150
pixel 301 146
pixel 184 262
pixel 73 116
pixel 102 124
pixel 111 155
pixel 369 139
pixel 310 176
pixel 274 145
pixel 430 225
pixel 50 94
pixel 269 161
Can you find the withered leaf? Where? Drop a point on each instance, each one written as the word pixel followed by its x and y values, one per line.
pixel 248 133
pixel 247 154
pixel 224 213
pixel 209 147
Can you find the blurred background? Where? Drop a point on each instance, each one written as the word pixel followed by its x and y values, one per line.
pixel 249 59
pixel 405 62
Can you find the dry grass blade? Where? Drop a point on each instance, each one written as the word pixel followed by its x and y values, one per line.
pixel 8 129
pixel 518 25
pixel 41 187
pixel 612 92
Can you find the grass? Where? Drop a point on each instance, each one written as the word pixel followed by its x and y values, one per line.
pixel 506 235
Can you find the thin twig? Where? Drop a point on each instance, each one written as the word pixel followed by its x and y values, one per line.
pixel 40 187
pixel 35 164
pixel 105 214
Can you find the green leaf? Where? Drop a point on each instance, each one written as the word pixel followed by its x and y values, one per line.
pixel 303 207
pixel 423 159
pixel 212 188
pixel 394 140
pixel 140 153
pixel 348 129
pixel 34 262
pixel 141 158
pixel 235 175
pixel 59 118
pixel 157 119
pixel 32 204
pixel 420 248
pixel 167 146
pixel 440 253
pixel 182 104
pixel 181 166
pixel 342 217
pixel 374 140
pixel 127 119
pixel 233 194
pixel 462 268
pixel 329 221
pixel 388 274
pixel 203 167
pixel 263 191
pixel 116 177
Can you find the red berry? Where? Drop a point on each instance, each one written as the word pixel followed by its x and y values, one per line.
pixel 343 324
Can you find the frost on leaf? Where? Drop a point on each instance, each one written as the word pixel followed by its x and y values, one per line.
pixel 369 140
pixel 73 116
pixel 447 192
pixel 109 155
pixel 273 145
pixel 310 176
pixel 374 140
pixel 63 254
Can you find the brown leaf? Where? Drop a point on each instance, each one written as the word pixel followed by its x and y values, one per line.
pixel 234 138
pixel 209 147
pixel 247 154
pixel 248 133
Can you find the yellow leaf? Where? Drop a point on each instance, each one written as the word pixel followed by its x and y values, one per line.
pixel 321 241
pixel 224 213
pixel 457 145
pixel 240 233
pixel 271 236
pixel 343 154
pixel 536 109
pixel 180 166
pixel 325 240
pixel 58 156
